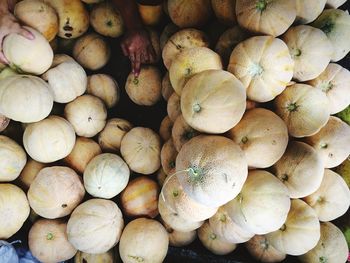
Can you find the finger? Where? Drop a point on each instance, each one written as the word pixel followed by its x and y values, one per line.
pixel 137 64
pixel 125 50
pixel 26 33
pixel 132 60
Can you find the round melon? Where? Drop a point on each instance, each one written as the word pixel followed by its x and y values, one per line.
pixel 106 175
pixel 214 242
pixel 308 11
pixel 87 114
pixel 263 204
pixel 38 15
pixel 154 250
pixel 190 62
pixel 304 109
pixel 55 192
pixel 12 159
pixel 335 83
pixel 84 150
pixel 165 128
pixel 300 233
pixel 67 81
pixel 182 132
pixel 14 210
pixel 140 148
pixel 49 140
pixel 178 238
pixel 174 107
pixel 29 172
pixel 331 247
pixel 92 51
pixel 225 11
pixel 25 98
pixel 48 241
pixel 145 89
pixel 300 169
pixel 193 13
pixel 264 66
pixel 167 89
pixel 207 163
pixel 104 87
pixel 332 199
pixel 168 156
pixel 25 55
pixel 261 131
pixel 112 134
pixel 222 224
pixel 266 17
pixel 182 40
pixel 213 101
pixel 95 226
pixel 329 142
pixel 106 20
pixel 140 198
pixel 72 16
pixel 107 257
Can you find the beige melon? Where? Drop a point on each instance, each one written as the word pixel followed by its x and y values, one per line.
pixel 263 204
pixel 23 54
pixel 104 87
pixel 29 172
pixel 154 250
pixel 266 17
pixel 140 198
pixel 178 238
pixel 87 114
pixel 264 66
pixel 300 233
pixel 310 49
pixel 335 3
pixel 167 89
pixel 60 58
pixel 55 192
pixel 190 62
pixel 261 249
pixel 49 140
pixel 193 13
pixel 261 131
pixel 331 247
pixel 334 82
pixel 213 242
pixel 173 220
pixel 308 11
pixel 107 257
pixel 14 210
pixel 106 176
pixel 167 32
pixel 174 107
pixel 146 88
pixel 67 81
pixel 225 11
pixel 95 226
pixel 222 224
pixel 72 16
pixel 48 241
pixel 207 163
pixel 168 155
pixel 38 15
pixel 112 134
pixel 228 41
pixel 7 72
pixel 13 159
pixel 177 201
pixel 84 150
pixel 151 15
pixel 335 23
pixel 213 101
pixel 25 98
pixel 106 20
pixel 304 109
pixel 92 51
pixel 300 169
pixel 332 199
pixel 182 132
pixel 165 128
pixel 182 40
pixel 140 148
pixel 330 140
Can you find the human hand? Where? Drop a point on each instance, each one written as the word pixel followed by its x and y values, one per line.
pixel 8 25
pixel 137 46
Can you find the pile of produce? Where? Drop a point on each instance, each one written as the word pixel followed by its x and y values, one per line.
pixel 253 150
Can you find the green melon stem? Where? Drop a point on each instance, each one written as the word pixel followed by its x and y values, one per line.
pixel 284 177
pixel 136 81
pixel 261 5
pixel 244 140
pixel 327 27
pixel 223 218
pixel 196 108
pixel 212 236
pixel 323 260
pixel 109 23
pixel 136 258
pixel 295 52
pixel 326 86
pixel 292 107
pixel 49 236
pixel 283 228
